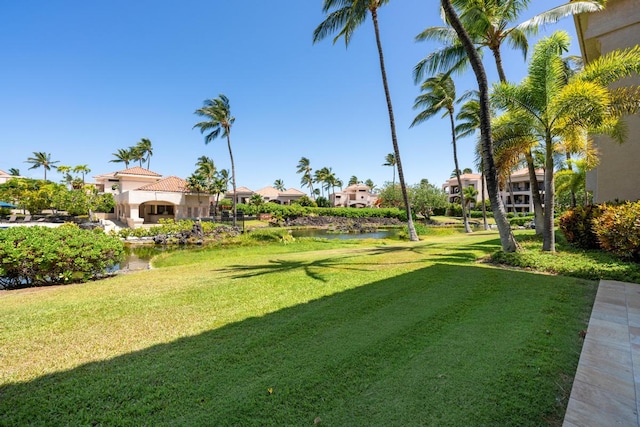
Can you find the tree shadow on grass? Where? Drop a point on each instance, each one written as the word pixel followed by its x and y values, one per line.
pixel 314 268
pixel 402 351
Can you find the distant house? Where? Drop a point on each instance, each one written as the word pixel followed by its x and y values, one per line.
pixel 271 194
pixel 4 177
pixel 515 194
pixel 354 196
pixel 616 27
pixel 144 197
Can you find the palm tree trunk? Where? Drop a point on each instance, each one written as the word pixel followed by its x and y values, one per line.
pixel 413 236
pixel 233 180
pixel 465 220
pixel 535 193
pixel 507 240
pixel 498 58
pixel 574 202
pixel 548 234
pixel 510 192
pixel 484 205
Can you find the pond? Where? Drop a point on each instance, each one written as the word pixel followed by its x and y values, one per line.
pixel 389 233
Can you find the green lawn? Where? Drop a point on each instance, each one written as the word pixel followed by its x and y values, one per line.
pixel 345 333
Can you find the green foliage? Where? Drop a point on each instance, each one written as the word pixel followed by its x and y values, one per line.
pixel 618 229
pixel 323 202
pixel 305 201
pixel 38 256
pixel 569 261
pixel 577 226
pixel 391 196
pixel 270 235
pixel 520 221
pixel 425 197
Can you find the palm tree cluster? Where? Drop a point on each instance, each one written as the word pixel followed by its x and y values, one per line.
pixel 42 160
pixel 208 179
pixel 141 152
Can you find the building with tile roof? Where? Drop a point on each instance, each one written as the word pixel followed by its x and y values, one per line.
pixel 144 197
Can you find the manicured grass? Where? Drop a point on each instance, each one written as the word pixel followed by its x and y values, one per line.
pixel 352 333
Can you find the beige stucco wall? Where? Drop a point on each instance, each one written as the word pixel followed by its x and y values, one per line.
pixel 617 27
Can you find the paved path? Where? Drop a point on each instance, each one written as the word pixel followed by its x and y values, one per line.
pixel 606 388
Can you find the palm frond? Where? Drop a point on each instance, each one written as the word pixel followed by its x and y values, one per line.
pixel 573 7
pixel 612 66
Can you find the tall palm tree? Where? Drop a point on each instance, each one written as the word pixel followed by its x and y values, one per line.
pixel 470 195
pixel 507 240
pixel 138 154
pixel 321 176
pixel 82 170
pixel 346 17
pixel 14 172
pixel 206 167
pixel 554 108
pixel 66 173
pixel 439 93
pixel 369 183
pixel 219 121
pixel 278 184
pixel 42 160
pixel 390 160
pixel 489 25
pixel 123 155
pixel 354 180
pixel 144 146
pixel 304 167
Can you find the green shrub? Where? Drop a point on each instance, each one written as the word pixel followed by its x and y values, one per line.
pixel 520 221
pixel 38 256
pixel 618 229
pixel 577 226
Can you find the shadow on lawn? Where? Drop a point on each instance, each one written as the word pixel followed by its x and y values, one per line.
pixel 443 345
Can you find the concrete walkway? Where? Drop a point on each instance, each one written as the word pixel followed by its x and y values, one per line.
pixel 606 388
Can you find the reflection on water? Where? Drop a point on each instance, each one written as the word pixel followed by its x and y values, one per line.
pixel 139 257
pixel 328 234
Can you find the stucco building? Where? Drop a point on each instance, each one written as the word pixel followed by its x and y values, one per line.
pixel 616 27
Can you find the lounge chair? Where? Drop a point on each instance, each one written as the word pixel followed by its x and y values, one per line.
pixel 12 218
pixel 27 218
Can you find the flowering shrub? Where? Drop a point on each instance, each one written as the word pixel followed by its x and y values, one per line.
pixel 577 226
pixel 38 256
pixel 618 229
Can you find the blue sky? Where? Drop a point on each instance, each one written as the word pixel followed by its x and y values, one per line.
pixel 81 79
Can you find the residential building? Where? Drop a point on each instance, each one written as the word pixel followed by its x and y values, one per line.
pixel 271 194
pixel 4 177
pixel 515 193
pixel 616 27
pixel 354 196
pixel 145 197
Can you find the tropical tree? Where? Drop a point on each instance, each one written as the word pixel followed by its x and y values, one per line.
pixel 354 180
pixel 321 176
pixel 82 170
pixel 507 240
pixel 425 197
pixel 14 172
pixel 42 160
pixel 470 194
pixel 573 181
pixel 138 154
pixel 489 25
pixel 123 156
pixel 439 94
pixel 278 184
pixel 66 173
pixel 304 167
pixel 390 160
pixel 369 183
pixel 550 108
pixel 146 149
pixel 344 16
pixel 197 183
pixel 218 122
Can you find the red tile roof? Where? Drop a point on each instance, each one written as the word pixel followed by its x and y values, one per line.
pixel 137 170
pixel 171 184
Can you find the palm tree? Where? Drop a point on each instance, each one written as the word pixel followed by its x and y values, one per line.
pixel 138 154
pixel 83 170
pixel 43 160
pixel 123 156
pixel 206 167
pixel 488 24
pixel 66 173
pixel 145 148
pixel 197 183
pixel 439 93
pixel 369 183
pixel 14 172
pixel 278 184
pixel 354 180
pixel 470 195
pixel 321 176
pixel 346 17
pixel 304 167
pixel 390 160
pixel 219 121
pixel 507 240
pixel 553 108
